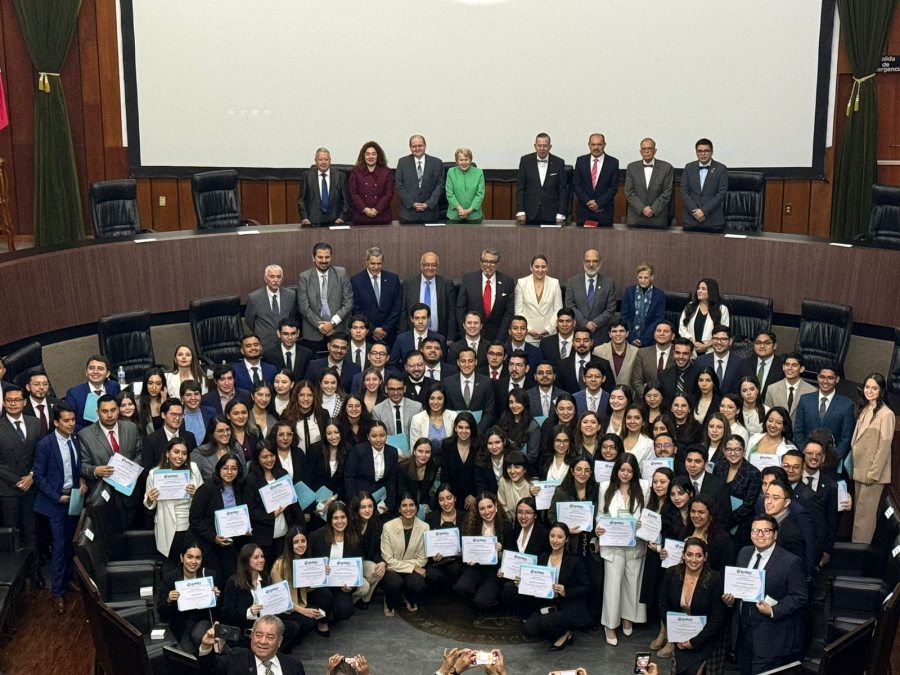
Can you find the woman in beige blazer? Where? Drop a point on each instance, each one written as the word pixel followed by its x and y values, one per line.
pixel 403 550
pixel 538 299
pixel 871 448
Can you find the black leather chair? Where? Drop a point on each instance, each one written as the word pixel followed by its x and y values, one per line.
pixel 884 218
pixel 131 652
pixel 216 329
pixel 15 566
pixel 676 301
pixel 848 655
pixel 217 202
pixel 824 334
pixel 745 201
pixel 117 581
pixel 114 209
pixel 750 315
pixel 893 378
pixel 125 340
pixel 20 363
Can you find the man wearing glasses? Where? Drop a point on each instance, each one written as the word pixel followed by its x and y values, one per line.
pixel 726 364
pixel 490 293
pixel 765 366
pixel 826 408
pixel 769 633
pixel 396 410
pixel 703 187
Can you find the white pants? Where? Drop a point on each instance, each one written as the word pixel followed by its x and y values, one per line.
pixel 622 587
pixel 369 584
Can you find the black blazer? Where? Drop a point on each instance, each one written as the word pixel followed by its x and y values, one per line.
pixel 207 500
pixel 460 475
pixel 235 602
pixel 668 381
pixel 567 375
pixel 731 382
pixel 50 403
pixel 301 359
pixel 169 611
pixel 604 193
pixel 480 353
pixel 349 369
pixel 211 398
pixel 746 486
pixel 320 548
pixel 706 601
pixel 443 293
pixel 470 298
pixel 538 543
pixel 482 398
pixel 264 523
pixel 485 480
pixel 359 473
pixel 16 457
pixel 826 493
pixel 715 488
pixel 574 577
pixel 240 661
pixel 418 392
pixel 309 203
pixel 542 202
pixel 320 473
pixel 776 371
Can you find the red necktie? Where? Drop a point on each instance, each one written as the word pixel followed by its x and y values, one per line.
pixel 486 299
pixel 594 173
pixel 494 375
pixel 660 364
pixel 113 442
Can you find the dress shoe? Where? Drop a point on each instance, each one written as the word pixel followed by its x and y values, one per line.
pixel 612 641
pixel 659 642
pixel 627 631
pixel 326 633
pixel 667 651
pixel 558 648
pixel 60 605
pixel 361 604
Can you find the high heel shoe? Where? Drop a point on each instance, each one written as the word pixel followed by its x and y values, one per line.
pixel 659 642
pixel 612 641
pixel 627 631
pixel 558 648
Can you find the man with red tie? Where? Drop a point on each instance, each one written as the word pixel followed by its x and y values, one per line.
pixel 490 293
pixel 595 181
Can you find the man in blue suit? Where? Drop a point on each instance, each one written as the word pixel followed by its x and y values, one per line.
pixel 703 187
pixel 57 473
pixel 378 296
pixel 826 408
pixel 252 370
pixel 338 343
pixel 727 365
pixel 83 397
pixel 596 180
pixel 407 341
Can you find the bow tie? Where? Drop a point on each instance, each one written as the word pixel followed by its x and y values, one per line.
pixel 704 167
pixel 542 161
pixel 649 166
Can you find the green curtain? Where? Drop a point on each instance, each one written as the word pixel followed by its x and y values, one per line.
pixel 48 26
pixel 864 30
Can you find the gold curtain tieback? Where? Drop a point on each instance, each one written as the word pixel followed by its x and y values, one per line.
pixel 854 92
pixel 44 81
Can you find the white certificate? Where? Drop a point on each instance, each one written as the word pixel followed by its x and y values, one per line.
pixel 543 498
pixel 619 531
pixel 444 541
pixel 171 484
pixel 576 514
pixel 537 581
pixel 654 463
pixel 843 495
pixel 651 526
pixel 745 584
pixel 762 460
pixel 278 493
pixel 233 522
pixel 602 470
pixel 310 572
pixel 479 550
pixel 512 561
pixel 125 473
pixel 344 572
pixel 274 599
pixel 674 553
pixel 682 627
pixel 195 594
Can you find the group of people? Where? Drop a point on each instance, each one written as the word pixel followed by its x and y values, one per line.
pixel 414 407
pixel 428 194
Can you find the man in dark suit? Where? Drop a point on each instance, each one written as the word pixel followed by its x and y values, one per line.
pixel 407 341
pixel 652 361
pixel 792 462
pixel 495 355
pixel 415 380
pixel 592 397
pixel 467 390
pixel 592 297
pixel 224 390
pixel 435 291
pixel 320 315
pixel 19 435
pixel 703 187
pixel 337 358
pixel 596 180
pixel 559 345
pixel 377 295
pixel 83 397
pixel 373 465
pixel 767 635
pixel 648 188
pixel 518 376
pixel 490 293
pixel 287 354
pixel 706 483
pixel 377 358
pixel 765 366
pixel 267 306
pixel 825 489
pixel 826 408
pixel 677 378
pixel 252 370
pixel 727 365
pixel 57 473
pixel 324 199
pixel 800 535
pixel 153 447
pixel 541 190
pixel 776 503
pixel 38 402
pixel 265 641
pixel 419 182
pixel 517 332
pixel 542 397
pixel 472 338
pixel 433 352
pixel 570 370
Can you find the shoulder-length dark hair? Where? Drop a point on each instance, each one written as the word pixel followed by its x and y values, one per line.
pixel 164 459
pixel 350 535
pixel 473 523
pixel 653 503
pixel 715 520
pixel 431 467
pixel 466 416
pixel 635 493
pixel 861 402
pixel 374 524
pixel 705 573
pixel 217 479
pixel 714 302
pixel 553 417
pixel 516 432
pixel 244 577
pixel 787 431
pixel 143 399
pixel 288 556
pixel 567 486
pixel 361 158
pixel 760 408
pixel 483 457
pixel 695 395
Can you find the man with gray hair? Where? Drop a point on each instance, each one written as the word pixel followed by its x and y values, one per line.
pixel 490 293
pixel 419 182
pixel 377 295
pixel 262 658
pixel 267 306
pixel 648 188
pixel 324 199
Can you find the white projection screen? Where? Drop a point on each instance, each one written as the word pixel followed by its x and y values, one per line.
pixel 258 85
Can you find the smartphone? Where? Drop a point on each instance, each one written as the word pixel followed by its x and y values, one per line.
pixel 641 661
pixel 351 661
pixel 230 633
pixel 484 658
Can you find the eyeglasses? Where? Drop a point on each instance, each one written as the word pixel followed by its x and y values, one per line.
pixel 489 262
pixel 561 441
pixel 763 343
pixel 734 450
pixel 664 446
pixel 761 530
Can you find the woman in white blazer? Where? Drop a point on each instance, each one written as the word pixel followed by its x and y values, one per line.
pixel 405 560
pixel 538 299
pixel 171 522
pixel 434 423
pixel 623 496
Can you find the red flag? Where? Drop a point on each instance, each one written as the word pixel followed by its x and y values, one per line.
pixel 4 111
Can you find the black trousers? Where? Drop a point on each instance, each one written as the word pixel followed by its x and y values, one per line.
pixel 398 584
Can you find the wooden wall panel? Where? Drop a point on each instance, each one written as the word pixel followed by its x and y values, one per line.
pixel 255 200
pixel 774 196
pixel 187 217
pixel 796 199
pixel 165 217
pixel 291 196
pixel 276 205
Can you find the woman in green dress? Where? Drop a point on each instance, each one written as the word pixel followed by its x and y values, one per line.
pixel 465 189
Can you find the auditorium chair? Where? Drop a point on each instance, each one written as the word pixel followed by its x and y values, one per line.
pixel 749 315
pixel 131 651
pixel 21 361
pixel 676 301
pixel 217 329
pixel 824 334
pixel 885 634
pixel 125 340
pixel 179 662
pixel 884 218
pixel 15 566
pixel 117 581
pixel 121 544
pixel 745 202
pixel 217 202
pixel 114 208
pixel 139 613
pixel 848 655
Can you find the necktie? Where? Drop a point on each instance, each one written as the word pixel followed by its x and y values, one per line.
pixel 419 171
pixel 306 433
pixel 420 341
pixel 696 488
pixel 680 381
pixel 44 426
pixel 720 371
pixel 495 374
pixel 324 193
pixel 661 364
pixel 760 372
pixel 545 404
pixel 74 462
pixel 377 288
pixel 757 561
pixel 358 358
pixel 592 292
pixel 268 666
pixel 288 360
pixel 563 349
pixel 431 374
pixel 790 398
pixel 809 481
pixel 19 431
pixel 486 299
pixel 276 311
pixel 823 407
pixel 99 392
pixel 256 379
pixel 594 173
pixel 467 393
pixel 326 311
pixel 398 421
pixel 593 405
pixel 581 374
pixel 113 443
pixel 704 172
pixel 432 322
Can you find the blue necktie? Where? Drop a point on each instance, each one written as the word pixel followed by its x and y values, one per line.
pixel 591 293
pixel 324 193
pixel 432 321
pixel 19 431
pixel 74 462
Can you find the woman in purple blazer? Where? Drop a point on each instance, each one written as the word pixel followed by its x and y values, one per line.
pixel 371 187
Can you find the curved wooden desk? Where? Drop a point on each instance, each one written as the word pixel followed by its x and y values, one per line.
pixel 53 289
